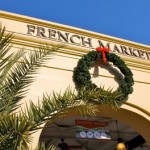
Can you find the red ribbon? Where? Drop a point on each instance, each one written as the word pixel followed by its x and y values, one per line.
pixel 103 50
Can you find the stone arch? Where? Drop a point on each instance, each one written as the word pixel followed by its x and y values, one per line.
pixel 128 117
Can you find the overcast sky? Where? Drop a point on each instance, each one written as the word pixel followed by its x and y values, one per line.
pixel 126 19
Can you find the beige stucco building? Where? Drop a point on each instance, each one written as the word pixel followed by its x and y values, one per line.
pixel 57 74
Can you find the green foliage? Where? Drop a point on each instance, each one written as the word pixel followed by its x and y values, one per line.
pixel 82 75
pixel 42 147
pixel 15 129
pixel 16 74
pixel 99 96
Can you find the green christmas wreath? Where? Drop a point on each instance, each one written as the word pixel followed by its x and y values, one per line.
pixel 82 77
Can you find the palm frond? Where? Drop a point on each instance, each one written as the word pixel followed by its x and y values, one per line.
pixel 41 146
pixel 5 46
pixel 14 131
pixel 10 63
pixel 20 76
pixel 17 128
pixel 56 106
pixel 51 108
pixel 100 96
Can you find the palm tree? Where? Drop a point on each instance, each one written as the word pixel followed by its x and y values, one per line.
pixel 16 75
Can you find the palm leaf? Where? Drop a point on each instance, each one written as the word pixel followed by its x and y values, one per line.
pixel 42 147
pixel 22 125
pixel 100 96
pixel 20 76
pixel 5 46
pixel 56 106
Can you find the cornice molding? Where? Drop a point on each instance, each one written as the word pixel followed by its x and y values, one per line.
pixel 48 24
pixel 25 40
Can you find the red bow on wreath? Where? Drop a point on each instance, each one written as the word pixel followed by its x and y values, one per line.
pixel 103 50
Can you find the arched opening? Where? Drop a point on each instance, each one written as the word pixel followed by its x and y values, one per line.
pixel 131 127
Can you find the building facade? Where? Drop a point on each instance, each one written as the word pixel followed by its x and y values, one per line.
pixel 57 74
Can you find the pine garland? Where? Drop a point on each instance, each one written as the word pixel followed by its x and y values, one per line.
pixel 82 77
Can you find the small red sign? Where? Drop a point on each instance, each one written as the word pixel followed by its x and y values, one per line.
pixel 91 124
